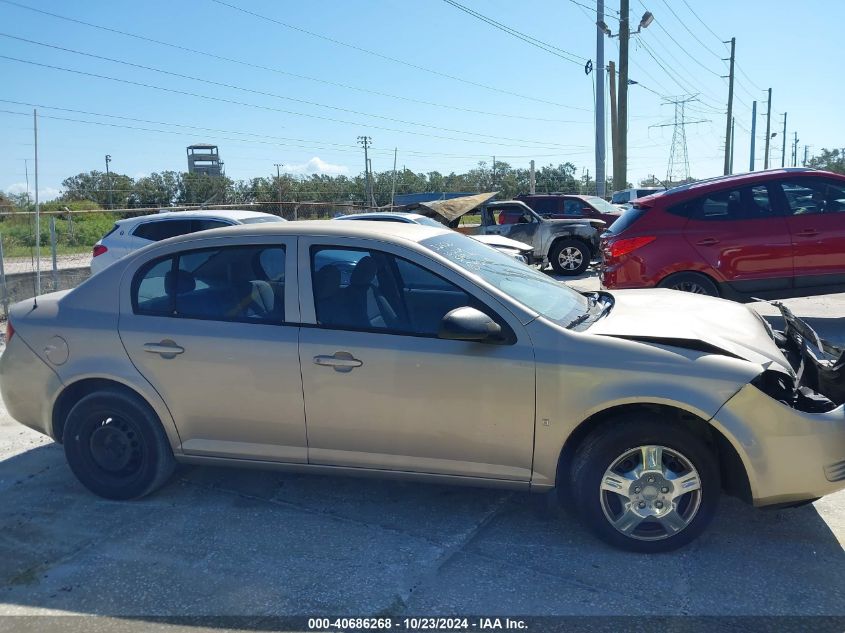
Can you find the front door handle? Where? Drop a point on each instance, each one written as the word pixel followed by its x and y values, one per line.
pixel 166 348
pixel 339 361
pixel 808 233
pixel 707 241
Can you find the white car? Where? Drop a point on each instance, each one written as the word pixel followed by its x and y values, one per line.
pixel 133 233
pixel 518 250
pixel 624 198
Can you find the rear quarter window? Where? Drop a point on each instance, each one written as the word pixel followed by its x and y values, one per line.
pixel 628 217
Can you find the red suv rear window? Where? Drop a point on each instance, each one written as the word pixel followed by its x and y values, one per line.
pixel 628 217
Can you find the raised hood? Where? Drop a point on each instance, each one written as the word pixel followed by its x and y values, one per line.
pixel 670 317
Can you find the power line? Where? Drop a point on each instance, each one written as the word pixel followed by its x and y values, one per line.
pixel 690 31
pixel 703 23
pixel 288 73
pixel 269 108
pixel 533 41
pixel 253 91
pixel 335 146
pixel 385 57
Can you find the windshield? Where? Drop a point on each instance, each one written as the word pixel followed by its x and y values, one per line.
pixel 600 204
pixel 260 219
pixel 554 300
pixel 429 222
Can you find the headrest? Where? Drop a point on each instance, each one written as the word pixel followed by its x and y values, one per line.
pixel 326 281
pixel 179 282
pixel 364 272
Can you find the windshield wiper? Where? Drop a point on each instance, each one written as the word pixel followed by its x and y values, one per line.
pixel 578 320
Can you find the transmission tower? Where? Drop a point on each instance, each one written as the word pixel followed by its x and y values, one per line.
pixel 678 168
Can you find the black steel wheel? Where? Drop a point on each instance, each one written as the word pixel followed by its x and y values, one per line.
pixel 115 445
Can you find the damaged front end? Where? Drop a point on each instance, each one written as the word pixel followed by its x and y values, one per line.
pixel 819 366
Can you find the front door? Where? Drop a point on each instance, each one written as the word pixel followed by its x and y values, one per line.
pixel 816 220
pixel 517 223
pixel 214 330
pixel 383 392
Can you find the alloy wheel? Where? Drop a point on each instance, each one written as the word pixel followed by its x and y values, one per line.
pixel 570 258
pixel 650 493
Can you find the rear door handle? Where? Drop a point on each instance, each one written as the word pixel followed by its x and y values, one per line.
pixel 167 348
pixel 707 241
pixel 340 361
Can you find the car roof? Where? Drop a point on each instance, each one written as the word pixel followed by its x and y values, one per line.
pixel 391 231
pixel 200 214
pixel 751 176
pixel 401 215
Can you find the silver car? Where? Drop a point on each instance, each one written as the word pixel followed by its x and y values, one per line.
pixel 346 348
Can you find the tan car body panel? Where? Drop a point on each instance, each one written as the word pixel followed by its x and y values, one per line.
pixel 578 375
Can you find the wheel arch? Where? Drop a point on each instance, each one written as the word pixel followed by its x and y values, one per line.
pixel 735 480
pixel 75 391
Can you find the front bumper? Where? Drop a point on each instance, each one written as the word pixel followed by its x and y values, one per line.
pixel 789 455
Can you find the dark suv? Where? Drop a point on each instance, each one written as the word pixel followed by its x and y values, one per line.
pixel 772 234
pixel 570 206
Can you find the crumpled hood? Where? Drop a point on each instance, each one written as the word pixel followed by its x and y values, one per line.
pixel 681 319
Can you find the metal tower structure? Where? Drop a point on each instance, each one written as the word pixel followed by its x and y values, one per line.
pixel 678 169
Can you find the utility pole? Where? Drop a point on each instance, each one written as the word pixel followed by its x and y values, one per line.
pixel 366 141
pixel 372 183
pixel 599 68
pixel 393 185
pixel 729 124
pixel 753 133
pixel 783 147
pixel 795 149
pixel 620 179
pixel 806 151
pixel 532 182
pixel 731 164
pixel 279 184
pixel 768 129
pixel 614 132
pixel 37 213
pixel 108 179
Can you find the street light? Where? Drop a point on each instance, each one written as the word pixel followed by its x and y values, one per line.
pixel 645 22
pixel 108 178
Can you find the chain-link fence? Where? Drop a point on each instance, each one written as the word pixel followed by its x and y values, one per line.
pixel 68 238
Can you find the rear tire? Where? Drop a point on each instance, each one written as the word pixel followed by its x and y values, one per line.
pixel 569 257
pixel 115 445
pixel 657 508
pixel 695 283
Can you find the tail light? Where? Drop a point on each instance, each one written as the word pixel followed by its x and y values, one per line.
pixel 10 331
pixel 623 247
pixel 99 249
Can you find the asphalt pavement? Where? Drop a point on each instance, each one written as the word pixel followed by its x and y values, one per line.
pixel 221 541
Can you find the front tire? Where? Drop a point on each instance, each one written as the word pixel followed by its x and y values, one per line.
pixel 645 486
pixel 116 447
pixel 569 257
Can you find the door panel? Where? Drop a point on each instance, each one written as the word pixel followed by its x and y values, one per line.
pixel 408 401
pixel 816 224
pixel 232 380
pixel 738 233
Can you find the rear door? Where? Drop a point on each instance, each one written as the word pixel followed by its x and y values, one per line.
pixel 816 220
pixel 739 233
pixel 214 330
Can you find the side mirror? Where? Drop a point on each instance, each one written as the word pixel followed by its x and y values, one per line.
pixel 468 324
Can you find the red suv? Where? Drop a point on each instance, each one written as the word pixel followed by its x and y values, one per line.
pixel 771 234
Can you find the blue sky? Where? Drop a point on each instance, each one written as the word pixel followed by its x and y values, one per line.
pixel 536 104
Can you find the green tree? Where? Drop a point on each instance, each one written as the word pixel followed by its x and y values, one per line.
pixel 97 186
pixel 829 160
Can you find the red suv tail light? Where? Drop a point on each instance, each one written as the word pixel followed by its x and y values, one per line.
pixel 623 247
pixel 10 331
pixel 99 249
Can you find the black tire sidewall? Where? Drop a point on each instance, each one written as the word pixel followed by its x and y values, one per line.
pixel 559 246
pixel 703 280
pixel 81 423
pixel 599 451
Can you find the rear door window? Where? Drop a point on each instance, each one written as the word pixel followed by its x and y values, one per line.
pixel 157 230
pixel 746 203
